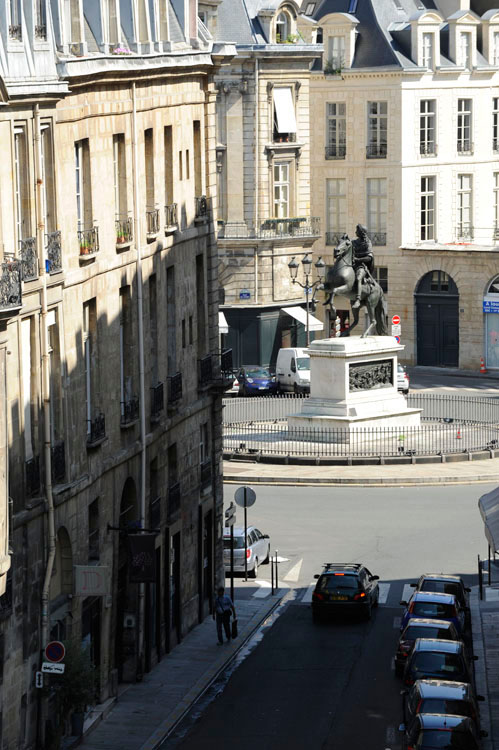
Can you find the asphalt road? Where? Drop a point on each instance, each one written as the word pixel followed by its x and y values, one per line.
pixel 332 685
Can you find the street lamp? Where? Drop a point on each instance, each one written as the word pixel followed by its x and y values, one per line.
pixel 308 285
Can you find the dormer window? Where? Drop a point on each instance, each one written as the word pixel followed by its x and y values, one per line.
pixel 15 20
pixel 282 28
pixel 41 20
pixel 428 50
pixel 309 9
pixel 465 49
pixel 336 54
pixel 495 57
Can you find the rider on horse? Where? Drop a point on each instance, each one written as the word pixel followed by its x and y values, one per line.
pixel 363 261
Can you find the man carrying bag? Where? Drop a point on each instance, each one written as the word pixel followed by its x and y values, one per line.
pixel 223 608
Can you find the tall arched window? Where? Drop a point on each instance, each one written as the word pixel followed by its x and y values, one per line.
pixel 282 27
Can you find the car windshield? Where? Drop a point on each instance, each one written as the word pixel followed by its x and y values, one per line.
pixel 418 631
pixel 442 587
pixel 436 662
pixel 338 581
pixel 303 363
pixel 443 706
pixel 434 738
pixel 400 368
pixel 436 610
pixel 238 542
pixel 257 372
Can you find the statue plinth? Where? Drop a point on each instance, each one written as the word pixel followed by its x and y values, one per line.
pixel 353 385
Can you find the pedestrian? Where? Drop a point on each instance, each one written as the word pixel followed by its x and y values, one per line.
pixel 223 608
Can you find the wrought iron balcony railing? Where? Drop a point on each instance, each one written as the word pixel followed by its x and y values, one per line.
pixel 334 238
pixel 226 364
pixel 171 218
pixel 205 474
pixel 495 145
pixel 32 471
pixel 58 462
pixel 10 284
pixel 129 411
pixel 205 371
pixel 336 151
pixel 97 431
pixel 464 233
pixel 427 148
pixel 299 226
pixel 15 32
pixel 465 147
pixel 155 513
pixel 174 387
pixel 201 206
pixel 173 500
pixel 377 238
pixel 124 232
pixel 89 241
pixel 54 254
pixel 41 31
pixel 29 258
pixel 152 222
pixel 376 151
pixel 157 401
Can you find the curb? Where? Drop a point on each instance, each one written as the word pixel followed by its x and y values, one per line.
pixel 480 667
pixel 357 481
pixel 205 682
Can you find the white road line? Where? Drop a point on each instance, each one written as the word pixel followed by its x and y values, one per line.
pixel 407 592
pixel 396 622
pixel 293 573
pixel 392 664
pixel 307 596
pixel 384 588
pixel 263 591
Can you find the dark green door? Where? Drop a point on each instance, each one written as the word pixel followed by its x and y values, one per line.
pixel 437 321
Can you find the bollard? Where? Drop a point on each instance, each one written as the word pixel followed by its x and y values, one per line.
pixel 272 572
pixel 480 578
pixel 276 573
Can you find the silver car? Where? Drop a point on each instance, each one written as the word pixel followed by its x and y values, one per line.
pixel 258 549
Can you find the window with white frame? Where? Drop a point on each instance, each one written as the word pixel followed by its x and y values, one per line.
pixel 335 54
pixel 377 126
pixel 41 19
pixel 336 125
pixel 90 358
pixel 377 209
pixel 284 115
pixel 21 188
pixel 428 50
pixel 427 121
pixel 309 9
pixel 112 15
pixel 15 28
pixel 336 210
pixel 427 214
pixel 48 178
pixel 465 49
pixel 464 126
pixel 496 205
pixel 282 27
pixel 119 169
pixel 281 190
pixel 495 48
pixel 495 124
pixel 465 207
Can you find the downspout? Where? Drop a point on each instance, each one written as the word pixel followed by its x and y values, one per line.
pixel 137 232
pixel 47 442
pixel 257 164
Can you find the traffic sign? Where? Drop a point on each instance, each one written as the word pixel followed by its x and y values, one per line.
pixel 396 320
pixel 245 497
pixel 230 515
pixel 396 330
pixel 397 339
pixel 55 651
pixel 38 679
pixel 51 668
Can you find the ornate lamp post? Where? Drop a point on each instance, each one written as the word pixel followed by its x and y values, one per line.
pixel 308 285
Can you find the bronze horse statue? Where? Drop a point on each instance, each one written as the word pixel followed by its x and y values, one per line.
pixel 340 279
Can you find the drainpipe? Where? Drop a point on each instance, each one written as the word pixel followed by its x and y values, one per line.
pixel 137 231
pixel 257 158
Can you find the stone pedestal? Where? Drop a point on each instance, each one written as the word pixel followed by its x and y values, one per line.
pixel 353 385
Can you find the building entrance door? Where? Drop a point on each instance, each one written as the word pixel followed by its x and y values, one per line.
pixel 437 321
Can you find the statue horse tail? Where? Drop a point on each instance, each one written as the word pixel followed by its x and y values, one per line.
pixel 381 313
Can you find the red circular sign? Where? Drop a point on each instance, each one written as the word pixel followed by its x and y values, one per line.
pixel 55 651
pixel 397 339
pixel 396 320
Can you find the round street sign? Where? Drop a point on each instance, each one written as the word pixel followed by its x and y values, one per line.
pixel 245 497
pixel 397 339
pixel 396 320
pixel 55 651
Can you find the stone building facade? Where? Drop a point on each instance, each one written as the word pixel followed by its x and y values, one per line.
pixel 405 134
pixel 263 174
pixel 109 352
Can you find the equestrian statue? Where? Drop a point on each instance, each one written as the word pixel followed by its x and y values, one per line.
pixel 352 277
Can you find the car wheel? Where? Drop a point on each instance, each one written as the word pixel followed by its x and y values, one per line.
pixel 267 559
pixel 254 572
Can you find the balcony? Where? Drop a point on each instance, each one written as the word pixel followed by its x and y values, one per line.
pixel 336 151
pixel 201 207
pixel 32 473
pixel 96 431
pixel 155 513
pixel 58 462
pixel 495 145
pixel 205 372
pixel 29 259
pixel 271 229
pixel 376 151
pixel 54 254
pixel 171 218
pixel 465 233
pixel 174 388
pixel 129 412
pixel 377 238
pixel 334 238
pixel 428 148
pixel 88 240
pixel 10 286
pixel 465 147
pixel 173 501
pixel 124 232
pixel 205 474
pixel 157 401
pixel 152 223
pixel 223 370
pixel 41 31
pixel 15 32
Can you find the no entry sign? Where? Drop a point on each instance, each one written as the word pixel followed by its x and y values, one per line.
pixel 396 320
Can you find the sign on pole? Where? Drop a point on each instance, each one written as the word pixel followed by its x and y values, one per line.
pixel 50 667
pixel 245 497
pixel 395 320
pixel 55 651
pixel 92 580
pixel 396 329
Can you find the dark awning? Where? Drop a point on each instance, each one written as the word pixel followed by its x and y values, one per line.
pixel 489 509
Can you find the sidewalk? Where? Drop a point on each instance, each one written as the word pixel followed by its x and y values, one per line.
pixel 147 711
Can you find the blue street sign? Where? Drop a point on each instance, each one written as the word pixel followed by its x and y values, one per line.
pixel 245 294
pixel 397 339
pixel 491 306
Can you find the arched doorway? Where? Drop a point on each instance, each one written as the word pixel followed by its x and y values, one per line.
pixel 127 612
pixel 437 320
pixel 491 320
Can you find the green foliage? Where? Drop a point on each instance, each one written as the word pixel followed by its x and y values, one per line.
pixel 333 67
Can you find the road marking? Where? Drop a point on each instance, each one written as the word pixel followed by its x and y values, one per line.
pixel 263 591
pixel 293 573
pixel 392 664
pixel 396 622
pixel 279 559
pixel 307 596
pixel 384 588
pixel 407 592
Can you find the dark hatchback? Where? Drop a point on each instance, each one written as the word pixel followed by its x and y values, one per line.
pixel 256 380
pixel 445 584
pixel 436 659
pixel 441 697
pixel 419 627
pixel 343 588
pixel 429 731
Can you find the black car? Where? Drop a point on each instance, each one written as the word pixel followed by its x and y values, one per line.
pixel 441 697
pixel 445 584
pixel 428 731
pixel 436 659
pixel 420 627
pixel 345 587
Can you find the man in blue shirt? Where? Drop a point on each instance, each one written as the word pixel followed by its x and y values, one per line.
pixel 223 608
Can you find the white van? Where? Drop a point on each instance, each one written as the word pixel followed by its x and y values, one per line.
pixel 293 370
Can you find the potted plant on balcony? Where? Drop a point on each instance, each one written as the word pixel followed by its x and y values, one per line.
pixel 120 238
pixel 85 247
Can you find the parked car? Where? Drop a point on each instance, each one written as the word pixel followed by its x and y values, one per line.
pixel 345 587
pixel 402 379
pixel 428 731
pixel 257 549
pixel 441 697
pixel 437 659
pixel 432 605
pixel 256 380
pixel 418 627
pixel 444 584
pixel 293 370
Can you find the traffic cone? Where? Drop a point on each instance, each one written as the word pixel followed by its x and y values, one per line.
pixel 482 365
pixel 458 436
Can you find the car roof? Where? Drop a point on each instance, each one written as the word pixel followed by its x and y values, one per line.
pixel 442 577
pixel 443 689
pixel 437 644
pixel 346 567
pixel 238 530
pixel 444 721
pixel 434 596
pixel 427 622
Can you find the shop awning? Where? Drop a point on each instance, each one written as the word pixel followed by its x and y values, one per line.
pixel 284 110
pixel 301 316
pixel 489 509
pixel 223 326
